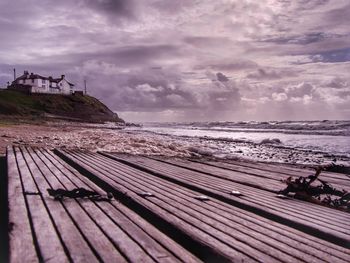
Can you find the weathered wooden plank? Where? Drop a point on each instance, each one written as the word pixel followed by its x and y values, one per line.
pixel 76 246
pixel 21 240
pixel 287 170
pixel 193 231
pixel 225 174
pixel 155 243
pixel 249 179
pixel 221 230
pixel 133 176
pixel 274 173
pixel 112 231
pixel 98 242
pixel 169 203
pixel 259 197
pixel 49 245
pixel 318 208
pixel 158 245
pixel 127 242
pixel 181 217
pixel 209 217
pixel 249 193
pixel 319 224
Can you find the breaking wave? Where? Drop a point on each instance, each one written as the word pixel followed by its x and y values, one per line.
pixel 313 142
pixel 325 127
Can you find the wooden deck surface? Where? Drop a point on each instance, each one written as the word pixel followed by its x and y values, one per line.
pixel 165 210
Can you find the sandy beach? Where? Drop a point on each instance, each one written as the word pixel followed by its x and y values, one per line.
pixel 94 137
pixel 85 137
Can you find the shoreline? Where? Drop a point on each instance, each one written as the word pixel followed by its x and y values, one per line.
pixel 95 137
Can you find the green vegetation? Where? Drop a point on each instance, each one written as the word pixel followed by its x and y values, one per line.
pixel 75 107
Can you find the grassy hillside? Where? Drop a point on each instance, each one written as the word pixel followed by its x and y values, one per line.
pixel 85 108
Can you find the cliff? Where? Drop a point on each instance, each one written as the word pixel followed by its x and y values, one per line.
pixel 72 107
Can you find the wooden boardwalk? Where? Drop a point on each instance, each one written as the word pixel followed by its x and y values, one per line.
pixel 164 210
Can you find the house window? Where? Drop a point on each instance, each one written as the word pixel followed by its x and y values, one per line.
pixel 44 80
pixel 32 80
pixel 44 86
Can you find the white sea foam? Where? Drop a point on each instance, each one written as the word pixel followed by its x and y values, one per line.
pixel 325 144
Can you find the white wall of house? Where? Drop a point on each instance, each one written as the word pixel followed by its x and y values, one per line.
pixel 64 86
pixel 45 84
pixel 32 82
pixel 36 89
pixel 54 90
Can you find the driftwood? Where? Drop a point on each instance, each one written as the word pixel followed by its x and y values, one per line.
pixel 323 193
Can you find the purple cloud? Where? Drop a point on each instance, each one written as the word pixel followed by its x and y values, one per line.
pixel 214 60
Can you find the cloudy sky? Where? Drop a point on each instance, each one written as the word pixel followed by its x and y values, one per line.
pixel 186 60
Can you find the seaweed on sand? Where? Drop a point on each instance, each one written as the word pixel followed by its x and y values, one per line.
pixel 322 193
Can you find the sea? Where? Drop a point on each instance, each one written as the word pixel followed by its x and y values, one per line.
pixel 298 142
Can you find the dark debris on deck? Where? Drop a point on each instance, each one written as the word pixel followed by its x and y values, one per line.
pixel 79 206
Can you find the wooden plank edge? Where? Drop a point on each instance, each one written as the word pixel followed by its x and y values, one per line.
pixel 21 236
pixel 4 210
pixel 217 175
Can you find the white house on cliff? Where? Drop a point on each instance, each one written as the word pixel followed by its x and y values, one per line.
pixel 34 83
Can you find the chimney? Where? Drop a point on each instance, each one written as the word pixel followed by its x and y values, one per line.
pixel 62 76
pixel 26 72
pixel 14 74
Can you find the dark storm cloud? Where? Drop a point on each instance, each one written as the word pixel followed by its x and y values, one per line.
pixel 301 39
pixel 147 98
pixel 130 54
pixel 205 41
pixel 310 4
pixel 332 56
pixel 337 16
pixel 113 8
pixel 270 74
pixel 211 59
pixel 300 90
pixel 229 66
pixel 337 83
pixel 155 91
pixel 221 77
pixel 145 90
pixel 328 56
pixel 344 93
pixel 170 6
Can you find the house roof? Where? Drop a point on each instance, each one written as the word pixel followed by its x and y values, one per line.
pixel 31 76
pixel 26 75
pixel 58 80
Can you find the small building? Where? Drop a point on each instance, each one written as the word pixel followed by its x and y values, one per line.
pixel 34 83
